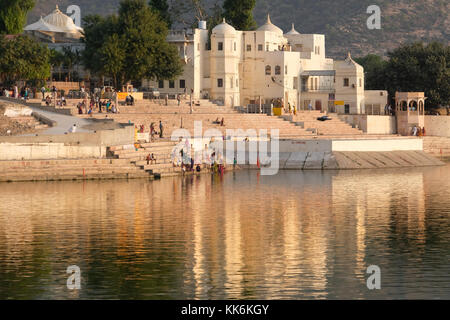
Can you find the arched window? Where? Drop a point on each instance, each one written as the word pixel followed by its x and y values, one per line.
pixel 404 105
pixel 413 105
pixel 277 70
pixel 268 70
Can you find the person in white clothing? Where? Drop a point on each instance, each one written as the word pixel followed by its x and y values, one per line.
pixel 73 129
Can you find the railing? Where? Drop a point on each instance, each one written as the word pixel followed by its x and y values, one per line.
pixel 320 89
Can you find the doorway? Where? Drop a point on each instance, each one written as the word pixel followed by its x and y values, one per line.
pixel 319 105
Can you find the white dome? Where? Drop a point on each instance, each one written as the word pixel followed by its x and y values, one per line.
pixel 268 26
pixel 41 25
pixel 293 31
pixel 61 21
pixel 223 28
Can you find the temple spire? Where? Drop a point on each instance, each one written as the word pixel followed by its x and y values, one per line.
pixel 268 19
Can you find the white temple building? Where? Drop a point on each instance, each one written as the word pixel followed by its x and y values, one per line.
pixel 241 67
pixel 57 30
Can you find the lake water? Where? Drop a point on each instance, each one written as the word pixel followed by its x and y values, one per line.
pixel 296 235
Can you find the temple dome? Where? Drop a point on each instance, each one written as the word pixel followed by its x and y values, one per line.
pixel 62 21
pixel 223 28
pixel 269 26
pixel 293 31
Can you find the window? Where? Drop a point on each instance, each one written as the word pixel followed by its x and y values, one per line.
pixel 268 70
pixel 198 46
pixel 249 47
pixel 260 47
pixel 171 84
pixel 231 82
pixel 182 84
pixel 220 46
pixel 161 84
pixel 235 46
pixel 360 82
pixel 237 83
pixel 312 84
pixel 277 70
pixel 267 47
pixel 285 69
pixel 219 83
pixel 346 82
pixel 316 82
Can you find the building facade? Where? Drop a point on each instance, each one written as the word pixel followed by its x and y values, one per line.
pixel 238 68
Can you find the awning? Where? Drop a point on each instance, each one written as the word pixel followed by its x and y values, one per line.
pixel 319 73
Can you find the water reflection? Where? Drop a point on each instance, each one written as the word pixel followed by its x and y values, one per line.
pixel 292 236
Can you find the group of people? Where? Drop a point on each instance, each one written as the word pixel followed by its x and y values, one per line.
pixel 14 92
pixel 418 131
pixel 185 157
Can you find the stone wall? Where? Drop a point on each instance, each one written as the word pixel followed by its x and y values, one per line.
pixel 371 124
pixel 100 138
pixel 38 151
pixel 437 126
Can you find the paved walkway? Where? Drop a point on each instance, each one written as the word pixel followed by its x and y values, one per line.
pixel 63 122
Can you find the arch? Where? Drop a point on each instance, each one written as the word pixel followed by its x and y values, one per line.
pixel 277 70
pixel 268 70
pixel 413 105
pixel 421 110
pixel 403 106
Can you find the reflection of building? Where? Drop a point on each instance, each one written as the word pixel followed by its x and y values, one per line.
pixel 240 67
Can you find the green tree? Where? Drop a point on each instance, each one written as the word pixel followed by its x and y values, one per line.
pixel 374 69
pixel 144 53
pixel 70 59
pixel 56 60
pixel 112 55
pixel 23 58
pixel 239 13
pixel 13 15
pixel 420 67
pixel 161 7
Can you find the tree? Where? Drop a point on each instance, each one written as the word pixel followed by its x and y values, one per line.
pixel 56 60
pixel 23 58
pixel 13 15
pixel 419 67
pixel 70 59
pixel 374 69
pixel 112 56
pixel 239 13
pixel 161 7
pixel 141 38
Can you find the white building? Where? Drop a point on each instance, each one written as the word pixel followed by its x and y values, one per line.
pixel 57 30
pixel 242 67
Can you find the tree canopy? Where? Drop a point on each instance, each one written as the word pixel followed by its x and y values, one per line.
pixel 161 7
pixel 13 15
pixel 412 67
pixel 23 58
pixel 239 13
pixel 130 46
